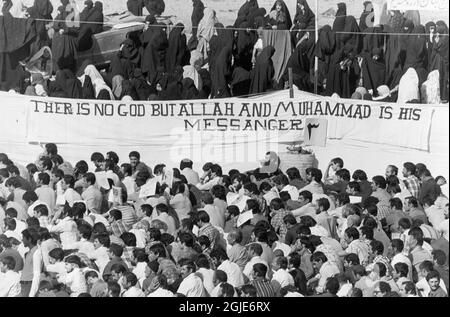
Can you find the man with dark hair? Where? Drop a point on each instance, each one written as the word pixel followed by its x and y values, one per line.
pixel 115 258
pixel 32 201
pixel 136 164
pixel 32 268
pixel 15 172
pixel 10 280
pixel 306 206
pixel 99 161
pixel 192 285
pixel 429 189
pixel 211 178
pixel 391 170
pixel 425 268
pixel 417 252
pixel 206 229
pixel 131 286
pixel 70 195
pixel 361 177
pixel 314 177
pixel 186 170
pixel 291 225
pixel 299 276
pixel 255 251
pixel 396 214
pixel 117 226
pixel 263 287
pixel 414 211
pixel 222 262
pixel 433 279
pixel 441 266
pixel 92 195
pixel 336 165
pixel 44 191
pixel 325 270
pixel 295 179
pixel 412 183
pixel 340 185
pixel 238 253
pixel 249 291
pixel 16 194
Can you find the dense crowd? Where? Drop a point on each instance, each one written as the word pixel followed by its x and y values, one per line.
pixel 400 60
pixel 128 230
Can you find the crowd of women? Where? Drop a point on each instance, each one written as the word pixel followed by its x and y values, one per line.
pixel 399 60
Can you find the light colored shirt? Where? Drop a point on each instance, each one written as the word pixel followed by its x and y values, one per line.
pixel 67 228
pixel 71 196
pixel 292 190
pixel 248 270
pixel 234 274
pixel 192 286
pixel 361 249
pixel 435 216
pixel 10 284
pixel 31 212
pixel 75 281
pixel 306 210
pixel 443 228
pixel 93 198
pixel 327 270
pixel 182 205
pixel 130 184
pixel 47 195
pixel 283 278
pixel 313 188
pixel 424 288
pixel 216 219
pixel 160 292
pixel 209 185
pixel 207 275
pixel 133 292
pixel 191 176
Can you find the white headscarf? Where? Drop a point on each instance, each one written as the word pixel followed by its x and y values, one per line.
pixel 190 72
pixel 409 87
pixel 99 85
pixel 206 25
pixel 430 90
pixel 92 72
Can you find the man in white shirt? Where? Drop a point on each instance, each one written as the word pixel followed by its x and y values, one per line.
pixel 423 286
pixel 9 280
pixel 215 216
pixel 67 228
pixel 192 285
pixel 70 195
pixel 20 225
pixel 281 278
pixel 325 268
pixel 32 201
pixel 443 227
pixel 255 250
pixel 92 195
pixel 44 192
pixel 314 177
pixel 396 252
pixel 234 274
pixel 306 206
pixel 212 178
pixel 282 184
pixel 186 170
pixel 205 273
pixel 130 284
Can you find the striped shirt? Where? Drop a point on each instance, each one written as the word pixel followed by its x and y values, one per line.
pixel 413 185
pixel 128 214
pixel 118 228
pixel 263 288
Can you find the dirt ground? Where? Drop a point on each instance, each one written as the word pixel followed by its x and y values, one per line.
pixel 227 9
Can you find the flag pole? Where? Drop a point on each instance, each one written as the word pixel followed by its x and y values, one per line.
pixel 316 59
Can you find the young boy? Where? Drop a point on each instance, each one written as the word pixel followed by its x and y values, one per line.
pixel 96 286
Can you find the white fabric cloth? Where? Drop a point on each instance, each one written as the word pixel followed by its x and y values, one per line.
pixel 160 292
pixel 409 87
pixel 430 89
pixel 207 276
pixel 133 292
pixel 283 277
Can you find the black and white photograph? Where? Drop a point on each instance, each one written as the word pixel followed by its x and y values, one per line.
pixel 236 151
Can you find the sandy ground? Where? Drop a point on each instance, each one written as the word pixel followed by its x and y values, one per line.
pixel 227 9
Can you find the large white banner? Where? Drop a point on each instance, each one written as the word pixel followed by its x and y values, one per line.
pixel 192 125
pixel 234 133
pixel 421 5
